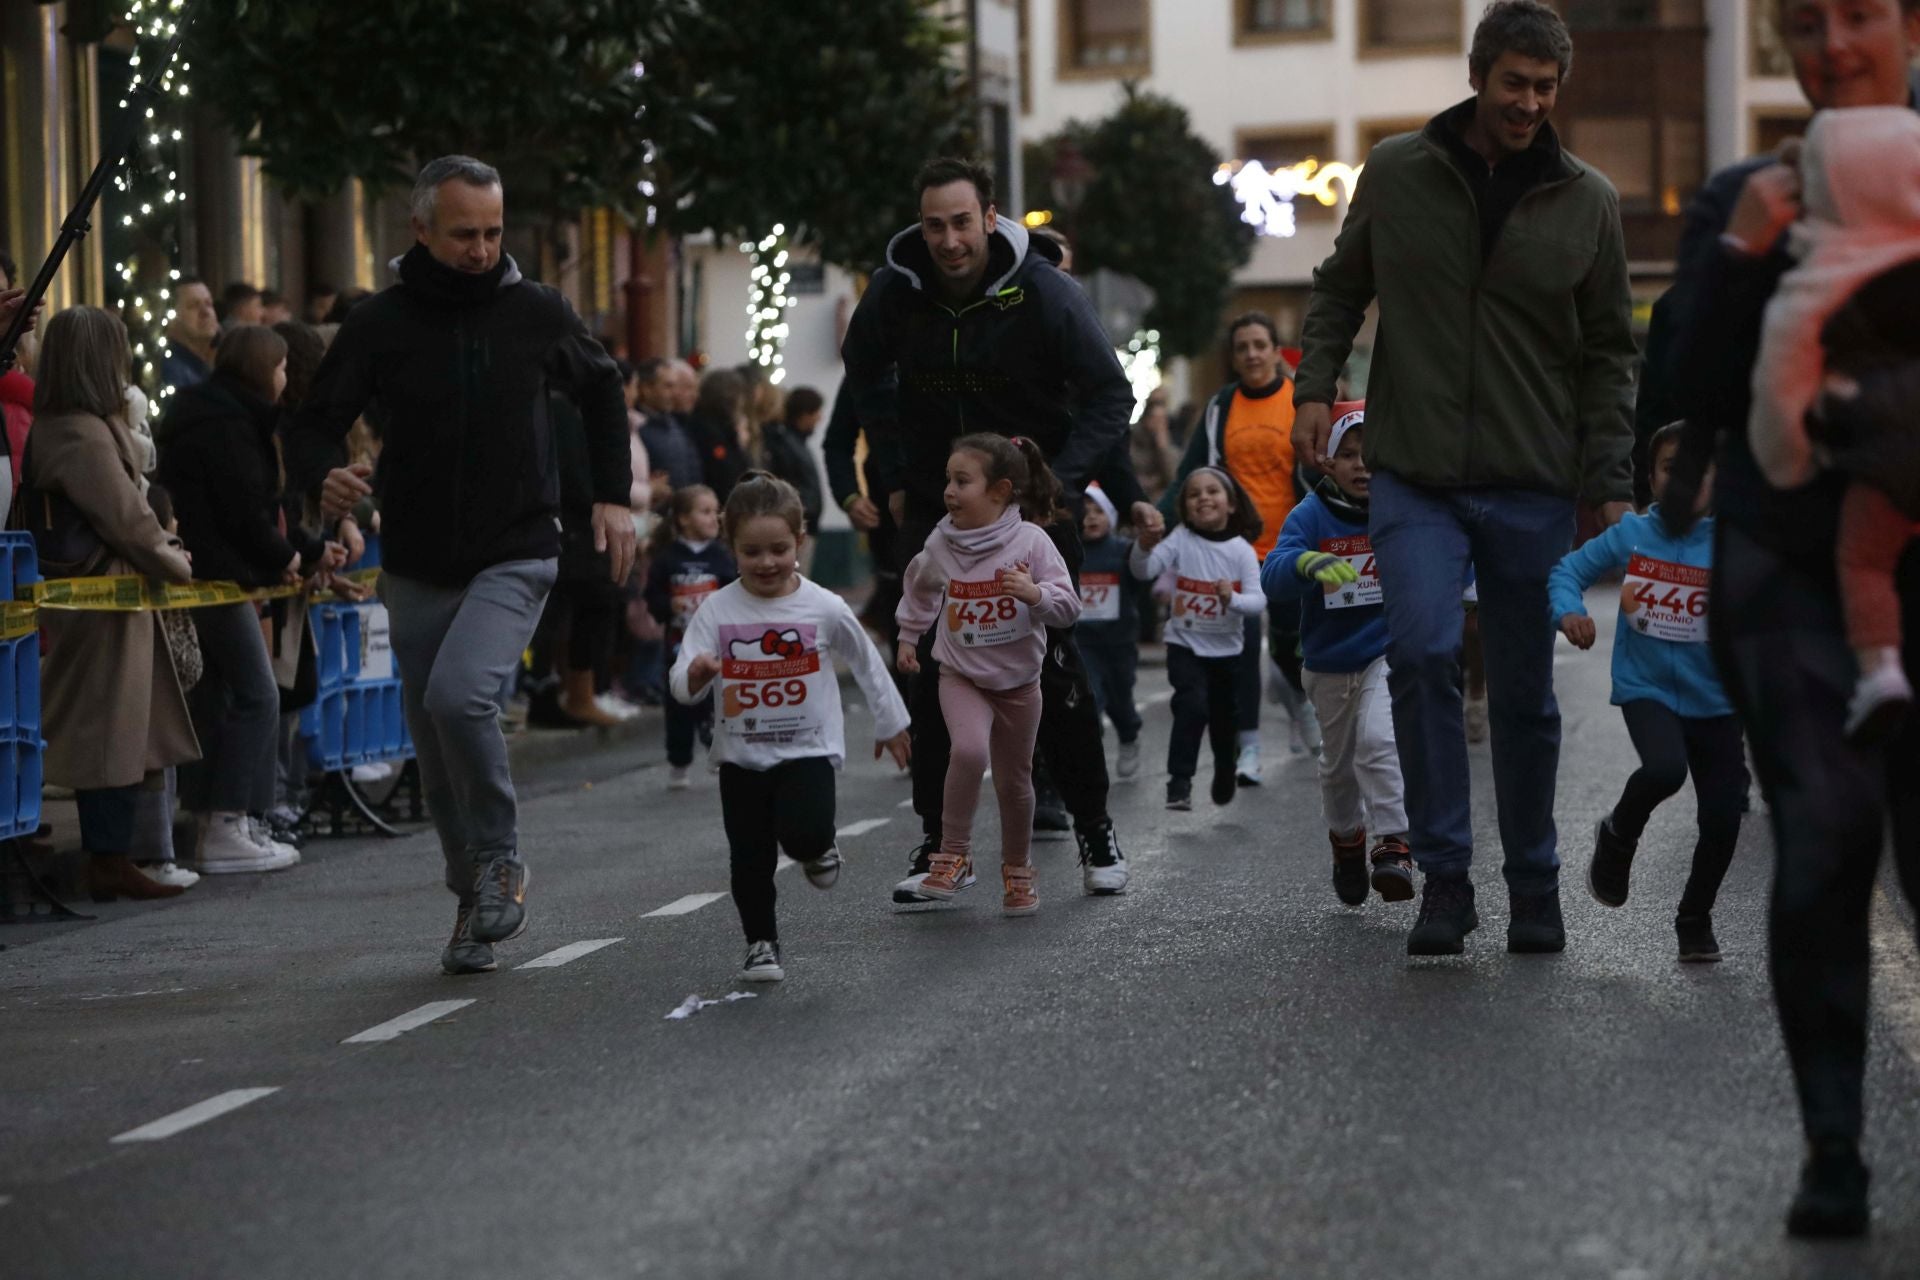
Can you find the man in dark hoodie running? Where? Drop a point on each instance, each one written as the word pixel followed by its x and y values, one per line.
pixel 985 333
pixel 460 355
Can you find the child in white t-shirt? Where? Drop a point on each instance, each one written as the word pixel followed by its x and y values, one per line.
pixel 769 640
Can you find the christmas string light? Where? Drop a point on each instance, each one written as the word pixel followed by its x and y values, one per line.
pixel 768 300
pixel 148 183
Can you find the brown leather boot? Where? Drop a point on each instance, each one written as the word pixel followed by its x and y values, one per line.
pixel 111 876
pixel 577 702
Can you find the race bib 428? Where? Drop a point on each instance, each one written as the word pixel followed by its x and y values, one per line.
pixel 981 616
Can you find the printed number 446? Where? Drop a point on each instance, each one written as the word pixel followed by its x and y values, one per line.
pixel 1691 603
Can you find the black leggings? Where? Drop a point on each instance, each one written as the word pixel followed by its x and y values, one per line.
pixel 1671 746
pixel 790 807
pixel 1203 706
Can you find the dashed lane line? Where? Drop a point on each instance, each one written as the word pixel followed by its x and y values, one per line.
pixel 569 953
pixel 198 1113
pixel 684 906
pixel 394 1028
pixel 861 827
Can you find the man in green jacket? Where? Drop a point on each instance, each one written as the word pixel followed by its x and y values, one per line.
pixel 1500 397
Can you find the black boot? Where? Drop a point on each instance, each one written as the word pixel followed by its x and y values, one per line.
pixel 1535 926
pixel 1447 916
pixel 1832 1200
pixel 1612 864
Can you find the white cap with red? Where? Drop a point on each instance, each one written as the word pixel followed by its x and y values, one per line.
pixel 1344 423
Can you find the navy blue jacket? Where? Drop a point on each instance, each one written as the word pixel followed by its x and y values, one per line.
pixel 1109 556
pixel 679 565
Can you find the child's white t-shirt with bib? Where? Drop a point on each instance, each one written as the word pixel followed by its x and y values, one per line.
pixel 777 696
pixel 1196 618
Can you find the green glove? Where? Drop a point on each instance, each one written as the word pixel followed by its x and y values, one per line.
pixel 1327 570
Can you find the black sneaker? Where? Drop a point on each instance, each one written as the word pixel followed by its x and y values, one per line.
pixel 1446 917
pixel 1180 794
pixel 1103 868
pixel 1832 1200
pixel 1050 821
pixel 1697 943
pixel 1225 783
pixel 1534 926
pixel 1612 863
pixel 500 900
pixel 762 963
pixel 908 890
pixel 462 953
pixel 1350 869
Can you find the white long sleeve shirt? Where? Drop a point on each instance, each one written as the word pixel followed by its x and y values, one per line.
pixel 778 697
pixel 1198 621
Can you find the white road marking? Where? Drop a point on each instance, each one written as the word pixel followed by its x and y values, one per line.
pixel 128 995
pixel 1896 978
pixel 1155 699
pixel 905 804
pixel 198 1113
pixel 397 1027
pixel 569 953
pixel 783 863
pixel 860 828
pixel 684 906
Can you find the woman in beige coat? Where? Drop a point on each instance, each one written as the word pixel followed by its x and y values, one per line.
pixel 111 700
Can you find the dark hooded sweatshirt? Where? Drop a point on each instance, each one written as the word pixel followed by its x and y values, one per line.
pixel 1026 356
pixel 461 366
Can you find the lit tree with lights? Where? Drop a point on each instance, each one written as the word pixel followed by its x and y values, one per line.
pixel 768 300
pixel 141 285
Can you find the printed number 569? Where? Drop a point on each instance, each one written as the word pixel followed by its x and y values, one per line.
pixel 747 695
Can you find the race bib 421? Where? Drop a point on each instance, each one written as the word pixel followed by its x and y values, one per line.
pixel 1197 607
pixel 1666 601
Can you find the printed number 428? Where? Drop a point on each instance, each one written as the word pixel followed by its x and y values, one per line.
pixel 998 609
pixel 769 693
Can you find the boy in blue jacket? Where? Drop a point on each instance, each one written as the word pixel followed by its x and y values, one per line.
pixel 1665 685
pixel 1323 556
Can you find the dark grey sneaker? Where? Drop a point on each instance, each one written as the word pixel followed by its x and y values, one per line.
pixel 763 963
pixel 1447 916
pixel 1832 1200
pixel 1180 794
pixel 824 870
pixel 500 900
pixel 1608 873
pixel 463 954
pixel 1534 926
pixel 1697 943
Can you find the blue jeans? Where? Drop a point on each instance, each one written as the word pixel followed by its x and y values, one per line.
pixel 1423 541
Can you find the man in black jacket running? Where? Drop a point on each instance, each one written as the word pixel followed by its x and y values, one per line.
pixel 971 326
pixel 460 355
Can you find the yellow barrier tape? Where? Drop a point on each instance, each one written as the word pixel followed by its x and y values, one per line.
pixel 129 593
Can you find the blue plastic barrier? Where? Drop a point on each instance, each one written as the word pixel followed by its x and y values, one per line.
pixel 21 749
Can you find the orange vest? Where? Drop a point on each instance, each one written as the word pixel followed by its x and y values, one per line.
pixel 1256 444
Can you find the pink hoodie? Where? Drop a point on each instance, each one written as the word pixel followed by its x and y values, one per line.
pixel 985 635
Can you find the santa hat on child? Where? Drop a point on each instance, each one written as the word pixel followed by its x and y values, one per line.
pixel 1347 415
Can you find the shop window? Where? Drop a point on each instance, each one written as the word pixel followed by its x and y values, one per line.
pixel 1621 147
pixel 1103 37
pixel 1274 21
pixel 1396 27
pixel 1683 163
pixel 1769 48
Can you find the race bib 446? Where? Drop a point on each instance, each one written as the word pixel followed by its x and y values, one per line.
pixel 1665 601
pixel 980 615
pixel 1358 552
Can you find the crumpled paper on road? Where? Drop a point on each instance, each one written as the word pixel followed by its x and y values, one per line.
pixel 694 1004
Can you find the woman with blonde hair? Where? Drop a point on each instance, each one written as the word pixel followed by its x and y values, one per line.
pixel 112 705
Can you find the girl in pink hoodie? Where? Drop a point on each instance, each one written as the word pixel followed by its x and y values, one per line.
pixel 992 582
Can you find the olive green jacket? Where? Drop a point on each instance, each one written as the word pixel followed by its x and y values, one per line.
pixel 1517 373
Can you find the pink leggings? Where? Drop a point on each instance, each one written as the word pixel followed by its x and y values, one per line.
pixel 997 726
pixel 1873 533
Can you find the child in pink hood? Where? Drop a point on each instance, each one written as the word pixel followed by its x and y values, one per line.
pixel 992 582
pixel 1847 307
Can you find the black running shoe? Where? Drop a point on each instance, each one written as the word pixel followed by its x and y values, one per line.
pixel 1350 868
pixel 1832 1200
pixel 1446 917
pixel 908 890
pixel 1180 794
pixel 1224 782
pixel 500 900
pixel 1534 926
pixel 1697 943
pixel 1612 864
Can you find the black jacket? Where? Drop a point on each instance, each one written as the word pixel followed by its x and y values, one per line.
pixel 789 458
pixel 461 366
pixel 1028 357
pixel 679 565
pixel 217 459
pixel 722 460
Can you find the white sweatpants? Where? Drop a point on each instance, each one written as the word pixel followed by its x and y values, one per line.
pixel 1360 787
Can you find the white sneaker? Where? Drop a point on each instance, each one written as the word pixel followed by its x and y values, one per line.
pixel 679 777
pixel 824 870
pixel 171 873
pixel 616 706
pixel 1129 763
pixel 262 835
pixel 228 848
pixel 368 774
pixel 1247 770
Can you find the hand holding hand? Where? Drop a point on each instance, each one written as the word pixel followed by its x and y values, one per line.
pixel 344 488
pixel 1580 629
pixel 899 746
pixel 701 671
pixel 1152 537
pixel 864 515
pixel 906 660
pixel 1147 519
pixel 1019 584
pixel 613 534
pixel 1312 429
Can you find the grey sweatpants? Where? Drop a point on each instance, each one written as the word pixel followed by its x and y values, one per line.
pixel 454 647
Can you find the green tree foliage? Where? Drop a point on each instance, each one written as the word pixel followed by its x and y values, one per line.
pixel 1150 209
pixel 683 116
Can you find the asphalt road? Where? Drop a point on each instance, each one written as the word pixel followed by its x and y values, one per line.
pixel 1223 1073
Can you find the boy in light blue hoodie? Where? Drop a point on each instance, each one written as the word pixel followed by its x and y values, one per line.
pixel 1323 557
pixel 1665 686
